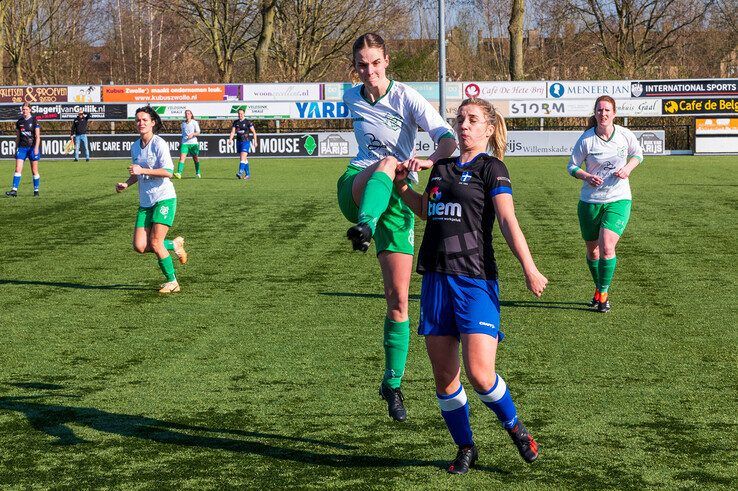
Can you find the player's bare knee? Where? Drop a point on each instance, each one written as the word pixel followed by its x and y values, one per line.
pixel 481 380
pixel 139 248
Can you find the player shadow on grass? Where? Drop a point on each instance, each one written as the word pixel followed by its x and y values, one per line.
pixel 55 420
pixel 67 284
pixel 537 304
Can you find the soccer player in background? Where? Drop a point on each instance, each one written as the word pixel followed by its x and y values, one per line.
pixel 459 300
pixel 189 144
pixel 245 143
pixel 386 115
pixel 79 134
pixel 28 146
pixel 609 153
pixel 152 168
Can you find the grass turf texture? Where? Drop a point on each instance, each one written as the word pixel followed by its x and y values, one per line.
pixel 264 370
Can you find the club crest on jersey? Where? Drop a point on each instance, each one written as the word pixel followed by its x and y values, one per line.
pixel 393 122
pixel 465 176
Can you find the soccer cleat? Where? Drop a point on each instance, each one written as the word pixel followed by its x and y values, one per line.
pixel 178 175
pixel 246 177
pixel 394 399
pixel 11 194
pixel 170 287
pixel 360 236
pixel 198 176
pixel 238 175
pixel 522 438
pixel 76 160
pixel 87 160
pixel 179 249
pixel 466 457
pixel 35 193
pixel 603 307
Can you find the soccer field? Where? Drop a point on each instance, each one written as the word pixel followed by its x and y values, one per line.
pixel 264 370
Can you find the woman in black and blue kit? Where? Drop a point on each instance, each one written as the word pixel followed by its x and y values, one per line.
pixel 459 294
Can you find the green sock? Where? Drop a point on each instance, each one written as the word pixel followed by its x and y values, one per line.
pixel 197 167
pixel 169 244
pixel 375 200
pixel 593 265
pixel 180 167
pixel 606 271
pixel 396 345
pixel 167 267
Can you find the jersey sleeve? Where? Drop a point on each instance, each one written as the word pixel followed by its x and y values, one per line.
pixel 163 157
pixel 634 147
pixel 427 117
pixel 497 179
pixel 197 127
pixel 578 156
pixel 235 124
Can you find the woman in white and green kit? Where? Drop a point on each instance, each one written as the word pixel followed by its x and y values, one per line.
pixel 609 153
pixel 386 115
pixel 152 168
pixel 189 144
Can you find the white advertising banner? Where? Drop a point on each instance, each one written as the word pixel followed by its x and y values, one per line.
pixel 505 90
pixel 530 143
pixel 219 110
pixel 580 108
pixel 520 143
pixel 429 90
pixel 281 92
pixel 588 89
pixel 83 93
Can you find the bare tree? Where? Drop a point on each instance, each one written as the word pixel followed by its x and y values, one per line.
pixel 515 28
pixel 313 34
pixel 261 53
pixel 226 29
pixel 632 34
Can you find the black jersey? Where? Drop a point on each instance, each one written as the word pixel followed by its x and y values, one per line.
pixel 79 125
pixel 26 131
pixel 243 129
pixel 458 232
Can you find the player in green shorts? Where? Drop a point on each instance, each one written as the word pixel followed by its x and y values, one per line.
pixel 609 153
pixel 189 144
pixel 152 169
pixel 386 115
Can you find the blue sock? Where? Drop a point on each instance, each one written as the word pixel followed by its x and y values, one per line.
pixel 499 400
pixel 455 411
pixel 36 182
pixel 241 168
pixel 246 167
pixel 16 180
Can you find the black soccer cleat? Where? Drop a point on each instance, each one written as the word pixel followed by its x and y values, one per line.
pixel 594 303
pixel 360 236
pixel 394 398
pixel 466 457
pixel 522 438
pixel 11 194
pixel 603 307
pixel 35 193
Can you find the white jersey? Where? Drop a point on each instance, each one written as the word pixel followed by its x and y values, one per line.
pixel 155 155
pixel 603 158
pixel 389 125
pixel 187 128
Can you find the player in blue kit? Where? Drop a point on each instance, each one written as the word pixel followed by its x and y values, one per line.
pixel 28 144
pixel 386 115
pixel 245 143
pixel 459 294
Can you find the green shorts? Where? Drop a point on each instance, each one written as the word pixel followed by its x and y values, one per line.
pixel 162 212
pixel 192 149
pixel 395 229
pixel 594 216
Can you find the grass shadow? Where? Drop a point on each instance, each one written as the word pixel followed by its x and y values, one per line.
pixel 67 284
pixel 363 295
pixel 58 420
pixel 504 303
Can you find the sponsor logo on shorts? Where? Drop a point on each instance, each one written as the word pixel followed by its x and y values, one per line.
pixel 164 210
pixel 486 324
pixel 411 237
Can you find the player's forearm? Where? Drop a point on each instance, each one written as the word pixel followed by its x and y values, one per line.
pixel 412 199
pixel 132 180
pixel 517 243
pixel 446 146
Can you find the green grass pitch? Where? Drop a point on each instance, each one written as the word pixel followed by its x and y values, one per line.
pixel 263 371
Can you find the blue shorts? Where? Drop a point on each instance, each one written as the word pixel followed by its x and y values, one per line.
pixel 243 146
pixel 451 305
pixel 23 153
